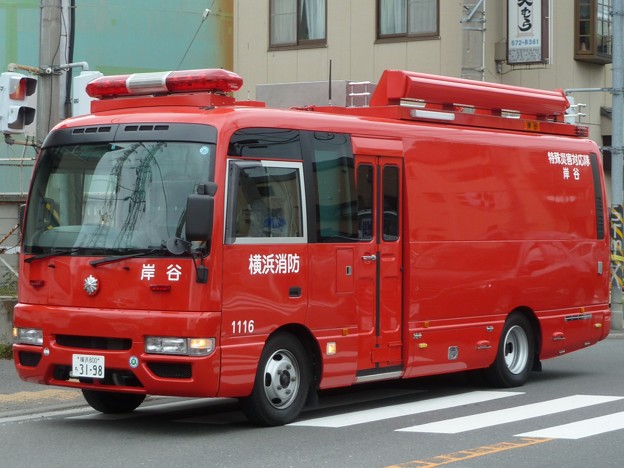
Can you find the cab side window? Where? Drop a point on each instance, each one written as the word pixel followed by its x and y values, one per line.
pixel 266 202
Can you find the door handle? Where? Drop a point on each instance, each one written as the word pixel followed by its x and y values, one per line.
pixel 369 258
pixel 294 291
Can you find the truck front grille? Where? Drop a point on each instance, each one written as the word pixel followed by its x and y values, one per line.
pixel 171 370
pixel 94 342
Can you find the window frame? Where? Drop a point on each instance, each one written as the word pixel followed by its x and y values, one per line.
pixel 298 43
pixel 235 167
pixel 340 168
pixel 390 189
pixel 592 54
pixel 407 36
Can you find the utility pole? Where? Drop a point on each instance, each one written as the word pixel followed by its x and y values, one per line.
pixel 52 53
pixel 617 164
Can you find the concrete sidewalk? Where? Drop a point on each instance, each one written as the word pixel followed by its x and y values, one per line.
pixel 10 382
pixel 18 398
pixel 6 319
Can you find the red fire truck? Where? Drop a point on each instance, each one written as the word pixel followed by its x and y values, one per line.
pixel 177 242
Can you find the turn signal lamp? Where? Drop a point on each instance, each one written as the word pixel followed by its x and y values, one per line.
pixel 179 345
pixel 212 80
pixel 29 336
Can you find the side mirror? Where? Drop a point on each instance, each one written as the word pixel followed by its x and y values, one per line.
pixel 200 213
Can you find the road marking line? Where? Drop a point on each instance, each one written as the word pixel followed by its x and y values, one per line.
pixel 581 429
pixel 462 455
pixel 49 414
pixel 405 409
pixel 494 418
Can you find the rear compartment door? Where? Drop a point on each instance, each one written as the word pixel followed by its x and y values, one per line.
pixel 379 265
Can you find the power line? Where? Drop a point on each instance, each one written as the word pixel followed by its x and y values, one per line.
pixel 205 15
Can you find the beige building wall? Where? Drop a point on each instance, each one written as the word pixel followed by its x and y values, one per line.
pixel 354 55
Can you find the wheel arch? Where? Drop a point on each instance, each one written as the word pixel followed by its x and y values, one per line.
pixel 285 377
pixel 309 342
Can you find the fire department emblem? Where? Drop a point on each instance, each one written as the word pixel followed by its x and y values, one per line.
pixel 91 285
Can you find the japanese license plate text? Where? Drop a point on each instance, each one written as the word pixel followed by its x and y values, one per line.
pixel 85 365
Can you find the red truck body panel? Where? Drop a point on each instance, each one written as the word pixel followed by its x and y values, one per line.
pixel 492 219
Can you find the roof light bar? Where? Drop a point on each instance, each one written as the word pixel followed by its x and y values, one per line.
pixel 396 85
pixel 171 82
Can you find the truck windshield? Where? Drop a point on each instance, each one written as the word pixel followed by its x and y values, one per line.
pixel 114 198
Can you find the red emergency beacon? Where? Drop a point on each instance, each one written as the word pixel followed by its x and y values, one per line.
pixel 171 82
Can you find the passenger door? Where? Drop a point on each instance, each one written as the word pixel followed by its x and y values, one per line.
pixel 265 253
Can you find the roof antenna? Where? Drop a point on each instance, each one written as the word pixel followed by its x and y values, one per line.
pixel 205 15
pixel 330 82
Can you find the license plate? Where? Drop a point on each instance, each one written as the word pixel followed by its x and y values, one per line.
pixel 87 365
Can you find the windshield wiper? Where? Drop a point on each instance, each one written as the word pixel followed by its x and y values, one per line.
pixel 57 253
pixel 118 258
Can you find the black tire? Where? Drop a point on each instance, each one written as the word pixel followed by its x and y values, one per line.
pixel 516 351
pixel 282 383
pixel 112 402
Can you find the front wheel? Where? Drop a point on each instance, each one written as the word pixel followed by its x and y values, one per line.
pixel 112 402
pixel 281 385
pixel 515 354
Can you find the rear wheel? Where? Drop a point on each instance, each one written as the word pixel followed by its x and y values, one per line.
pixel 515 354
pixel 112 402
pixel 282 383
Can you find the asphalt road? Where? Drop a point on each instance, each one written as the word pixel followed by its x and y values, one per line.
pixel 571 414
pixel 19 397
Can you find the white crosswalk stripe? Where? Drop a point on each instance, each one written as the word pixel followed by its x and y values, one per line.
pixel 575 430
pixel 405 409
pixel 581 429
pixel 504 416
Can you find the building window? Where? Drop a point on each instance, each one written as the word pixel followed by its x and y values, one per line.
pixel 298 23
pixel 593 31
pixel 407 19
